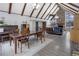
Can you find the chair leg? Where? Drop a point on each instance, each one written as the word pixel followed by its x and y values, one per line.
pixel 21 47
pixel 44 38
pixel 10 41
pixel 18 44
pixel 2 39
pixel 28 44
pixel 37 37
pixel 25 44
pixel 41 39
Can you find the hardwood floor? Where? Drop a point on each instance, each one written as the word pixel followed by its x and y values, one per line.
pixel 35 46
pixel 60 46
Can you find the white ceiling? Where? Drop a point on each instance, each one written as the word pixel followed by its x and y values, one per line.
pixel 72 6
pixel 17 8
pixel 69 7
pixel 48 10
pixel 76 4
pixel 28 9
pixel 37 10
pixel 43 10
pixel 4 7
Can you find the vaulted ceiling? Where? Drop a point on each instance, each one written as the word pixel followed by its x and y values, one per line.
pixel 71 7
pixel 26 9
pixel 43 12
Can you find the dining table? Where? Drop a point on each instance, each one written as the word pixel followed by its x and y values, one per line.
pixel 18 36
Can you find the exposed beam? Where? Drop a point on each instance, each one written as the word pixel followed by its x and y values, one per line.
pixel 54 11
pixel 50 11
pixel 58 5
pixel 53 16
pixel 74 5
pixel 46 10
pixel 50 17
pixel 69 7
pixel 40 10
pixel 10 7
pixel 23 9
pixel 33 10
pixel 16 13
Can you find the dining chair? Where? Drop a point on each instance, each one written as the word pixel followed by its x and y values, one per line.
pixel 39 35
pixel 16 31
pixel 25 38
pixel 43 33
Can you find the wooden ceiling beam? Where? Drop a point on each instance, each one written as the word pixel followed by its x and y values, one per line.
pixel 54 11
pixel 10 7
pixel 23 9
pixel 46 10
pixel 53 16
pixel 33 11
pixel 50 11
pixel 40 10
pixel 69 7
pixel 74 5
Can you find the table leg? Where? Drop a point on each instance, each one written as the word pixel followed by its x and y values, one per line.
pixel 2 39
pixel 28 44
pixel 15 46
pixel 41 38
pixel 10 40
pixel 37 36
pixel 44 37
pixel 21 47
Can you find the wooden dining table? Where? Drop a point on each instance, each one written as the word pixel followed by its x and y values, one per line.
pixel 16 37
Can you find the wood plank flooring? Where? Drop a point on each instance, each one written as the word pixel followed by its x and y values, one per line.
pixel 59 47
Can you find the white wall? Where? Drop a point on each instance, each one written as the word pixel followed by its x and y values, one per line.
pixel 13 19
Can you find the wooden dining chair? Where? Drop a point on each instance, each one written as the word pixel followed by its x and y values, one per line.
pixel 25 38
pixel 16 31
pixel 41 35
